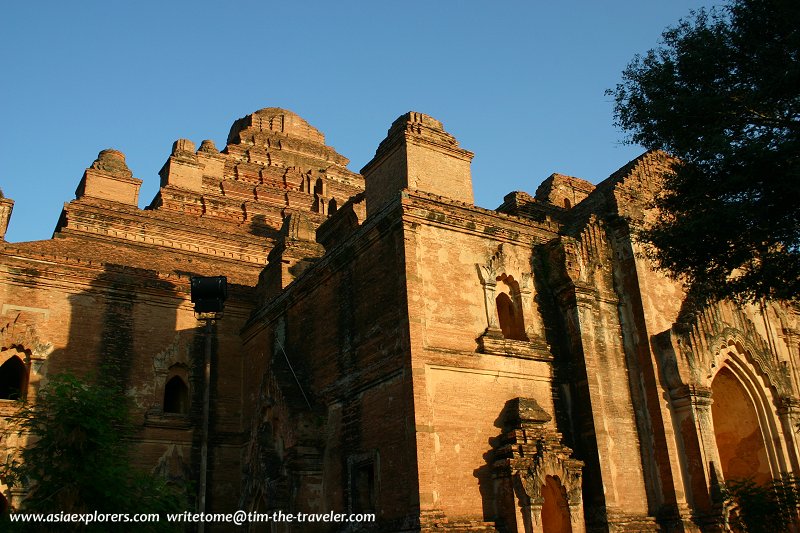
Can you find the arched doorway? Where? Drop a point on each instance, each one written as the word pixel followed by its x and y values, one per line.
pixel 555 509
pixel 739 438
pixel 176 396
pixel 509 313
pixel 12 379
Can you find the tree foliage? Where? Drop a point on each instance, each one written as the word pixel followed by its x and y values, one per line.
pixel 78 457
pixel 722 94
pixel 763 509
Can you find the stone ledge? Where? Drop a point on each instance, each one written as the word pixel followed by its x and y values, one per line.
pixel 167 420
pixel 536 350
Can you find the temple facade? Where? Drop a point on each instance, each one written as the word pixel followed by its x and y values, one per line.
pixel 388 347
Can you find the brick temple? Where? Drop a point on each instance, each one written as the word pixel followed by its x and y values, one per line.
pixel 387 346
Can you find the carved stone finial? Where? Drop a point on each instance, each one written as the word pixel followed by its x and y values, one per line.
pixel 525 410
pixel 182 146
pixel 208 146
pixel 109 178
pixel 274 121
pixel 6 206
pixel 110 160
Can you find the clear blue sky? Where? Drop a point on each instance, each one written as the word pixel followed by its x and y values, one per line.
pixel 521 84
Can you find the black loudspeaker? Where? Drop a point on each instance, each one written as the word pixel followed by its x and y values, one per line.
pixel 209 293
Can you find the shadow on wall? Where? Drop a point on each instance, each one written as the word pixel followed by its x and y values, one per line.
pixel 121 329
pixel 487 484
pixel 573 411
pixel 259 227
pixel 113 328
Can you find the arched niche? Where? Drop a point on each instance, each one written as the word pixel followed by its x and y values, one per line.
pixel 538 481
pixel 737 430
pixel 174 360
pixel 555 507
pixel 749 383
pixel 13 379
pixel 177 398
pixel 712 361
pixel 319 187
pixel 509 308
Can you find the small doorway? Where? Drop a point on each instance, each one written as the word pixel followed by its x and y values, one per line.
pixel 555 509
pixel 12 379
pixel 176 396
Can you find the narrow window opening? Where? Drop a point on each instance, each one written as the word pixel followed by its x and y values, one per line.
pixel 567 203
pixel 176 396
pixel 363 487
pixel 12 379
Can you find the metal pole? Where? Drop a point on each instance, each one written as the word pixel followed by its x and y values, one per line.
pixel 204 438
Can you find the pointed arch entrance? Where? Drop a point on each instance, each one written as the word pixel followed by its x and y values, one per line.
pixel 13 382
pixel 738 433
pixel 733 404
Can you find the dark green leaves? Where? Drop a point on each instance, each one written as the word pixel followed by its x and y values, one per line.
pixel 763 509
pixel 722 94
pixel 78 457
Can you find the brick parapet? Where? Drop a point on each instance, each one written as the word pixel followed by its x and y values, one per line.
pixel 76 275
pixel 462 214
pixel 93 255
pixel 464 217
pixel 173 231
